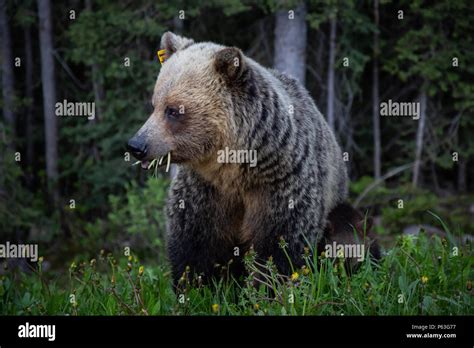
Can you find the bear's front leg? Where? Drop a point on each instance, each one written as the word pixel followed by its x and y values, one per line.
pixel 199 228
pixel 281 227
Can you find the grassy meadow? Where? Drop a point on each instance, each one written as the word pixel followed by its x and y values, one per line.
pixel 420 275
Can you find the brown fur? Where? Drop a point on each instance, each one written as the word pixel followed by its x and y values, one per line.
pixel 254 208
pixel 231 101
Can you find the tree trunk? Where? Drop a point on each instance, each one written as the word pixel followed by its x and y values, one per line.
pixel 462 168
pixel 320 69
pixel 99 94
pixel 178 25
pixel 29 93
pixel 49 96
pixel 437 188
pixel 7 68
pixel 290 42
pixel 376 97
pixel 419 139
pixel 331 72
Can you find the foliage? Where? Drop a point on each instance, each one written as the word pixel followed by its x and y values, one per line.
pixel 420 275
pixel 107 37
pixel 135 220
pixel 413 212
pixel 20 209
pixel 415 208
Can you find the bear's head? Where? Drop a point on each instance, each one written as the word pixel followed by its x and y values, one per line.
pixel 192 114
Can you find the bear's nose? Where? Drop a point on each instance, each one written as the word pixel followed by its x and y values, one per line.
pixel 137 148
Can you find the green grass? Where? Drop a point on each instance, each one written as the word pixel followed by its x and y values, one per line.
pixel 419 275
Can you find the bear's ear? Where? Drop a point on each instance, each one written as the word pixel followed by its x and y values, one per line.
pixel 229 62
pixel 173 43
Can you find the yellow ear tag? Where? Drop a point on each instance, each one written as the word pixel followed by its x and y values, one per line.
pixel 162 55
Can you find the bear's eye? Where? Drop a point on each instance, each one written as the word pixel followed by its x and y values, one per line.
pixel 172 113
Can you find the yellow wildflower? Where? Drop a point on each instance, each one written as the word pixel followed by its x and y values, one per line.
pixel 294 276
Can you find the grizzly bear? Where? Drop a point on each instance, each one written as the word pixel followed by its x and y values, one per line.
pixel 347 227
pixel 208 98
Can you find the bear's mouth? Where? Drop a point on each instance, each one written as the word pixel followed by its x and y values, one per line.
pixel 156 162
pixel 145 164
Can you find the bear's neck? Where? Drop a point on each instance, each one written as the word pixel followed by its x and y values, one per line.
pixel 225 177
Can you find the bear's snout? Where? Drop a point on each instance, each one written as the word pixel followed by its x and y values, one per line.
pixel 137 147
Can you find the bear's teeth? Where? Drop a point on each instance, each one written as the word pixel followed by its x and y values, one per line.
pixel 145 164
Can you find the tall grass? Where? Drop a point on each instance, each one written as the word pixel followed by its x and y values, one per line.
pixel 419 275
